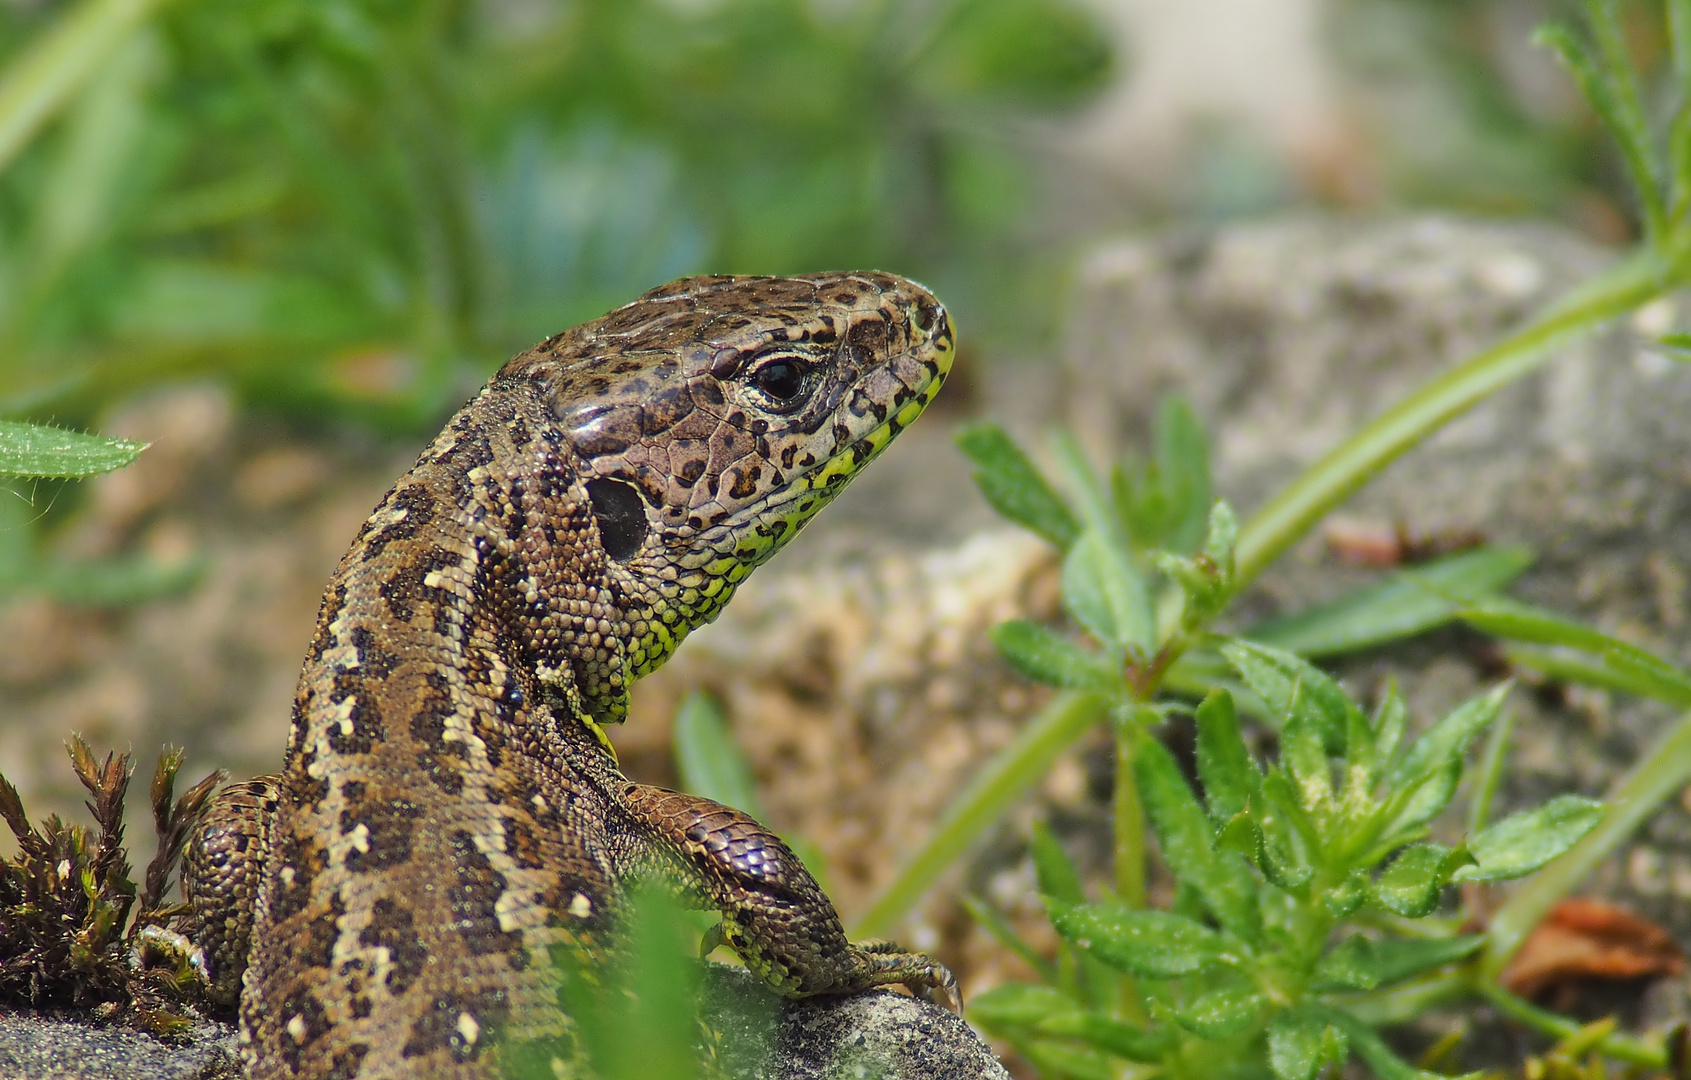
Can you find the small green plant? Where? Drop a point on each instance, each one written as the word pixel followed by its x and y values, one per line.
pixel 1308 890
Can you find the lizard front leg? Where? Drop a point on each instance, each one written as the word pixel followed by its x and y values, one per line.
pixel 774 915
pixel 222 865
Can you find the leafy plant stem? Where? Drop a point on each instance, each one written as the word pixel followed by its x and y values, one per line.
pixel 1621 1047
pixel 1635 796
pixel 1296 509
pixel 1006 778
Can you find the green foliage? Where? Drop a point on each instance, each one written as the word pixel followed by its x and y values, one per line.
pixel 1294 876
pixel 1298 878
pixel 636 1018
pixel 1013 485
pixel 364 206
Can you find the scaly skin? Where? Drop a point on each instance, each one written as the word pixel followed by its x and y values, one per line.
pixel 449 811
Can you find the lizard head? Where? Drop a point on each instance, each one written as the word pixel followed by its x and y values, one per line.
pixel 714 416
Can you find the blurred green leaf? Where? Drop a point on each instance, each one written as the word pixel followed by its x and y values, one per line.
pixel 1300 1041
pixel 1014 487
pixel 709 760
pixel 1155 944
pixel 1002 932
pixel 1410 886
pixel 1019 1003
pixel 1389 718
pixel 1042 655
pixel 1523 842
pixel 1183 464
pixel 1109 1035
pixel 1448 739
pixel 1361 963
pixel 1054 873
pixel 1624 666
pixel 35 450
pixel 1106 594
pixel 1410 602
pixel 1056 1058
pixel 1367 1045
pixel 1037 52
pixel 1577 668
pixel 1223 1012
pixel 645 1028
pixel 1675 346
pixel 344 197
pixel 57 63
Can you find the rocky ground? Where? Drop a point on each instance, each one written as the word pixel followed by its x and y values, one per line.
pixel 855 668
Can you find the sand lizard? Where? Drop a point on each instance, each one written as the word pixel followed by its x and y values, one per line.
pixel 449 810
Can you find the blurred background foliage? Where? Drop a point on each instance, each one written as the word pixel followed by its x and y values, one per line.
pixel 363 206
pixel 358 208
pixel 353 210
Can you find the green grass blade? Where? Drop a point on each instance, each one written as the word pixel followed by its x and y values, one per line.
pixel 709 760
pixel 36 450
pixel 1623 665
pixel 1002 932
pixel 1183 463
pixel 1579 670
pixel 1004 780
pixel 1410 602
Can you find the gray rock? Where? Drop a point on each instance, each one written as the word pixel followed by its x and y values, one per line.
pixel 51 1048
pixel 879 1035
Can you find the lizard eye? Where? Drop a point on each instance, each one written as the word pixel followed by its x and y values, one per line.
pixel 621 514
pixel 783 381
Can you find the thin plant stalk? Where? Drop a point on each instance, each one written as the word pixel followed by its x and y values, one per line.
pixel 1129 815
pixel 1017 768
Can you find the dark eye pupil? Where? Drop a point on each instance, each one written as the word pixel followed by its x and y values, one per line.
pixel 781 380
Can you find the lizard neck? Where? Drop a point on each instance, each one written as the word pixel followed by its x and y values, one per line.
pixel 483 563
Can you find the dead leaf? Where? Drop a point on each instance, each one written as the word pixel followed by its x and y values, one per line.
pixel 1590 939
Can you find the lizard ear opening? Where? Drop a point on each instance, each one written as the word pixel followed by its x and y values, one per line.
pixel 621 514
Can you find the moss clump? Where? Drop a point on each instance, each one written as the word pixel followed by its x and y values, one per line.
pixel 67 941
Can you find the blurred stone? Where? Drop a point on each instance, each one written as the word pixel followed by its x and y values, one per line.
pixel 278 477
pixel 187 427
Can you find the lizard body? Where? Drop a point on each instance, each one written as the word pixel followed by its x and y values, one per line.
pixel 449 813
